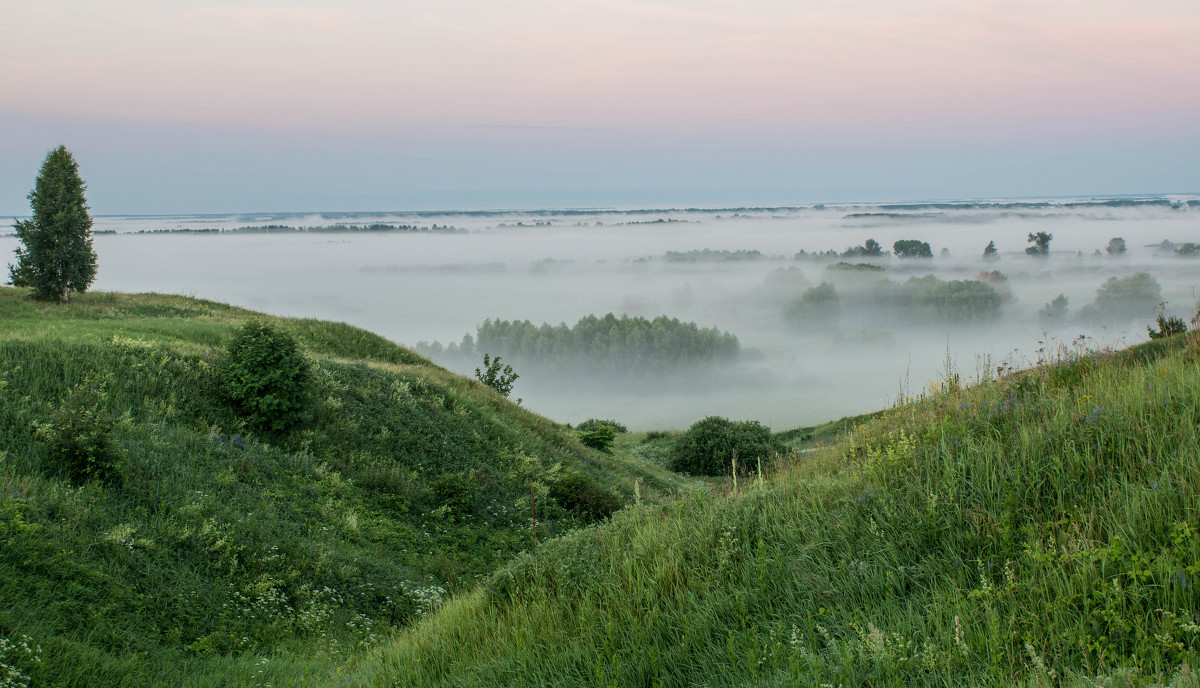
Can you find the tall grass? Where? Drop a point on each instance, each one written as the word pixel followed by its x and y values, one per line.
pixel 1039 529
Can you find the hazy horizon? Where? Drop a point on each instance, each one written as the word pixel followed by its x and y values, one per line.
pixel 555 267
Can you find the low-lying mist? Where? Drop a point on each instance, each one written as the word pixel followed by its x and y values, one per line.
pixel 815 340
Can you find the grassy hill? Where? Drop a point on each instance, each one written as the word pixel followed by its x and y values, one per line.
pixel 225 557
pixel 1040 529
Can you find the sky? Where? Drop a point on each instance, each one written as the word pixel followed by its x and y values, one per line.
pixel 184 106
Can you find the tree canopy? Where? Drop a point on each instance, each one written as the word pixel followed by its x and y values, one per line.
pixel 55 257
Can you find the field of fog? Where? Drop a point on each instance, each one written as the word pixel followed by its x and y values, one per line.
pixel 559 266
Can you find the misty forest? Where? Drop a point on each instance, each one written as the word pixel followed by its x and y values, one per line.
pixel 790 316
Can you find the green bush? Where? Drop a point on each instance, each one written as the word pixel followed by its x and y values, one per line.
pixel 601 438
pixel 79 436
pixel 709 446
pixel 266 376
pixel 456 492
pixel 584 497
pixel 593 423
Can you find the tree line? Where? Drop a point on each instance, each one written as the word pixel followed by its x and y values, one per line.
pixel 626 344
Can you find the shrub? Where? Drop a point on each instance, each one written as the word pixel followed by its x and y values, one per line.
pixel 455 493
pixel 266 376
pixel 593 423
pixel 499 377
pixel 585 497
pixel 601 438
pixel 79 436
pixel 709 446
pixel 1167 326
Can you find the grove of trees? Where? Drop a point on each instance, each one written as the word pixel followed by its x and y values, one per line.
pixel 624 345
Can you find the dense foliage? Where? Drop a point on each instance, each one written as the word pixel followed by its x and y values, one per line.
pixel 55 257
pixel 712 446
pixel 1125 297
pixel 266 376
pixel 817 304
pixel 585 498
pixel 593 423
pixel 917 301
pixel 619 346
pixel 600 437
pixel 869 249
pixel 1041 244
pixel 79 435
pixel 912 248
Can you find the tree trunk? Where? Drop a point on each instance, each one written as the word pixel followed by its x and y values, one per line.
pixel 64 293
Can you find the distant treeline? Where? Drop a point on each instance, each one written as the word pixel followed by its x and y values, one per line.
pixel 710 255
pixel 289 229
pixel 624 345
pixel 918 301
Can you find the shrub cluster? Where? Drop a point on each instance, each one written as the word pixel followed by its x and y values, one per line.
pixel 266 376
pixel 584 497
pixel 710 445
pixel 79 436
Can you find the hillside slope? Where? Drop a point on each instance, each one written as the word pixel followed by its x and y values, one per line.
pixel 1039 529
pixel 222 557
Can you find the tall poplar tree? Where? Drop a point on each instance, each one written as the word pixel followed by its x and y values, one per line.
pixel 56 255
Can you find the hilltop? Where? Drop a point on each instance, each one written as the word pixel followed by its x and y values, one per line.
pixel 224 556
pixel 1042 528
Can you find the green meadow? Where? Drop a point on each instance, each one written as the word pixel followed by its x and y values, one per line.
pixel 223 556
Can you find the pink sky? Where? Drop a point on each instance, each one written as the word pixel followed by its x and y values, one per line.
pixel 890 73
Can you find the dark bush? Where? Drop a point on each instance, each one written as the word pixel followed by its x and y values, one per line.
pixel 708 447
pixel 584 497
pixel 266 376
pixel 593 423
pixel 79 436
pixel 456 492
